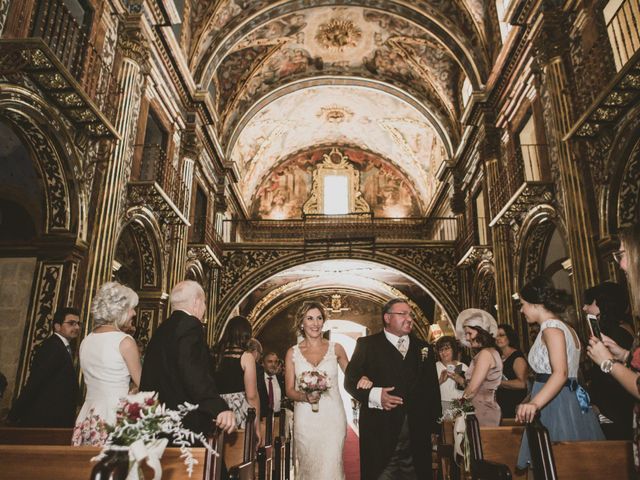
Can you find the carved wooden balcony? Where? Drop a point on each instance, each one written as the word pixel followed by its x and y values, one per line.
pixel 205 243
pixel 350 228
pixel 473 241
pixel 615 101
pixel 159 187
pixel 522 184
pixel 59 59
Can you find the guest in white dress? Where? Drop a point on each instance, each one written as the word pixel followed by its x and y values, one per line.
pixel 109 360
pixel 446 368
pixel 319 435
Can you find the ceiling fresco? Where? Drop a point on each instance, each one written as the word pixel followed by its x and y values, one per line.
pixel 339 115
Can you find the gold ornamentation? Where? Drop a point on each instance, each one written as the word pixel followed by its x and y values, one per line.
pixel 335 114
pixel 338 34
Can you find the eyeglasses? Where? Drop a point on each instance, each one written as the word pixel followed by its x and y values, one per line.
pixel 618 254
pixel 73 323
pixel 403 314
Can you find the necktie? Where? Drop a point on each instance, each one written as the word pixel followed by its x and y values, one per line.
pixel 69 350
pixel 270 392
pixel 402 346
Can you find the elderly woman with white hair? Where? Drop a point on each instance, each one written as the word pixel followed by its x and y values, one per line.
pixel 477 329
pixel 109 360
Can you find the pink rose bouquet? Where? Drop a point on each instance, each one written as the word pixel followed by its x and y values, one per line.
pixel 314 381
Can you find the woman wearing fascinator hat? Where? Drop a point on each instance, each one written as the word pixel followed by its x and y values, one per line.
pixel 477 329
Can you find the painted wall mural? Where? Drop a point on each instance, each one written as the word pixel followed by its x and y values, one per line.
pixel 339 115
pixel 384 187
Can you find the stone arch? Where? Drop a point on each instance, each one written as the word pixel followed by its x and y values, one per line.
pixel 484 287
pixel 48 138
pixel 433 268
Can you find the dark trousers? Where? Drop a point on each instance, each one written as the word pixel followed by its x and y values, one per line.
pixel 400 466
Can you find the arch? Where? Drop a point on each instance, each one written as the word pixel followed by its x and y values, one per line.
pixel 42 130
pixel 446 133
pixel 432 268
pixel 435 23
pixel 147 236
pixel 484 287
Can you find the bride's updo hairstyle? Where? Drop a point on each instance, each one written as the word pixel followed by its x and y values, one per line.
pixel 111 305
pixel 540 291
pixel 302 312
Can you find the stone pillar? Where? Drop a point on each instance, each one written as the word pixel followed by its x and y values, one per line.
pixel 550 44
pixel 111 202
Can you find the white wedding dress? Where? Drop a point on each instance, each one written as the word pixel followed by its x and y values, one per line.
pixel 319 436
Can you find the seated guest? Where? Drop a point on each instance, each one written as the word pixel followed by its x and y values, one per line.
pixel 235 372
pixel 50 396
pixel 610 303
pixel 109 360
pixel 270 385
pixel 448 366
pixel 177 363
pixel 477 329
pixel 513 388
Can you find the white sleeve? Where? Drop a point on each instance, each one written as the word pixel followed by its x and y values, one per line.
pixel 375 398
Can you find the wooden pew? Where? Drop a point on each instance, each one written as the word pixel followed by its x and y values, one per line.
pixel 279 441
pixel 35 436
pixel 502 445
pixel 264 457
pixel 609 459
pixel 74 463
pixel 240 446
pixel 481 467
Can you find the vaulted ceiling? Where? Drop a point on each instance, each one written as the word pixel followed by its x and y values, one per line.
pixel 385 76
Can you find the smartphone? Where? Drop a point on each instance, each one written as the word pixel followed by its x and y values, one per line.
pixel 594 326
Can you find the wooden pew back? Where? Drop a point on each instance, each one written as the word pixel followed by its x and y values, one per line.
pixel 502 445
pixel 35 436
pixel 20 462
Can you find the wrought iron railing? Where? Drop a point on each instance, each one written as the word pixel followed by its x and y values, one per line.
pixel 68 40
pixel 474 233
pixel 156 167
pixel 525 165
pixel 623 27
pixel 204 232
pixel 351 227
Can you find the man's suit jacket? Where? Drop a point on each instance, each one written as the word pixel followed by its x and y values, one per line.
pixel 263 392
pixel 177 365
pixel 50 397
pixel 416 381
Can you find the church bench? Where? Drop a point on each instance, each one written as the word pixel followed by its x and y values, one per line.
pixel 607 459
pixel 494 464
pixel 35 436
pixel 502 445
pixel 20 462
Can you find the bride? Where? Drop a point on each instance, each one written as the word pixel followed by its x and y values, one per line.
pixel 319 435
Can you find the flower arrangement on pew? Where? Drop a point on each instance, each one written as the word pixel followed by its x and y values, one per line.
pixel 460 407
pixel 457 414
pixel 143 428
pixel 314 381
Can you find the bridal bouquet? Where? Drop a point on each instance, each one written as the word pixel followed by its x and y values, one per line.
pixel 314 381
pixel 143 426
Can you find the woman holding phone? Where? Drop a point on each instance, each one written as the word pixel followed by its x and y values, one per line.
pixel 447 367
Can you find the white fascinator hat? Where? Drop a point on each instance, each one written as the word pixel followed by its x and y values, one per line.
pixel 474 317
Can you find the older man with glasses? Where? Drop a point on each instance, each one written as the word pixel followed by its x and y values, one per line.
pixel 50 396
pixel 399 414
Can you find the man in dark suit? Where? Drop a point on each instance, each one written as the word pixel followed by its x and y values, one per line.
pixel 399 413
pixel 270 385
pixel 50 397
pixel 177 363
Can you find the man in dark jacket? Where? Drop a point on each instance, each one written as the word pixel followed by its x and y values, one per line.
pixel 399 414
pixel 177 363
pixel 50 397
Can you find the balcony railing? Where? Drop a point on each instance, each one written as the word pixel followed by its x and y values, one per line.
pixel 474 234
pixel 623 27
pixel 351 227
pixel 158 185
pixel 204 233
pixel 59 58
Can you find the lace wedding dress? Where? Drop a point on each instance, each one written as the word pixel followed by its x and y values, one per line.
pixel 319 436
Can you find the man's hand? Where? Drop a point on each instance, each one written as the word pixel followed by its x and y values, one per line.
pixel 389 402
pixel 226 421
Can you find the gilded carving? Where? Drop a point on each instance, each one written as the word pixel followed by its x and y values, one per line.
pixel 147 258
pixel 144 327
pixel 338 34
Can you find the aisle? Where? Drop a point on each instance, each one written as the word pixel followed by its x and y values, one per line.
pixel 351 455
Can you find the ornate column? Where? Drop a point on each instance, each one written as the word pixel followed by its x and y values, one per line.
pixel 131 80
pixel 550 43
pixel 189 152
pixel 489 146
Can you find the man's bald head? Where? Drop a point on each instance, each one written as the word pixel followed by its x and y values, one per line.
pixel 188 295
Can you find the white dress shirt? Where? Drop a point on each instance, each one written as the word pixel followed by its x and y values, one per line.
pixel 277 394
pixel 375 394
